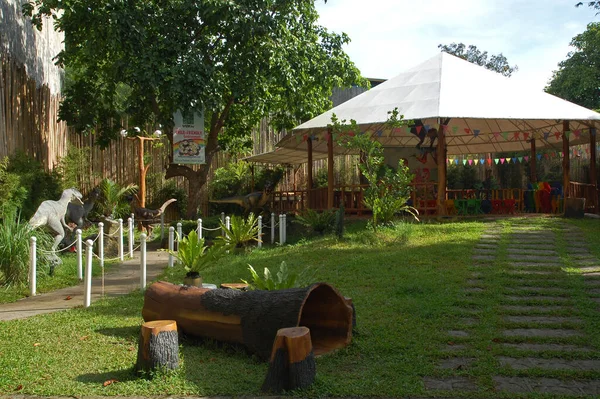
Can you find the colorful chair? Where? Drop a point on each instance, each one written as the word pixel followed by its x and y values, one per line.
pixel 474 206
pixel 461 206
pixel 497 206
pixel 509 205
pixel 450 207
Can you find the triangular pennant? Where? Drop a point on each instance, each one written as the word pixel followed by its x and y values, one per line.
pixel 525 136
pixel 470 162
pixel 298 138
pixel 568 134
pixel 397 130
pixel 467 130
pixel 577 133
pixel 476 132
pixel 450 161
pixel 557 135
pixel 454 129
pixel 418 129
pixel 514 159
pixel 546 135
pixel 427 128
pixel 496 135
pixel 496 160
pixel 489 161
pixel 464 161
pixel 379 133
pixel 546 155
pixel 502 160
pixel 482 161
pixel 476 161
pixel 520 159
pixel 516 135
pixel 505 135
pixel 456 161
pixel 539 156
pixel 526 158
pixel 593 132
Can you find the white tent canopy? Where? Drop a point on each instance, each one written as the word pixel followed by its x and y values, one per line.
pixel 482 111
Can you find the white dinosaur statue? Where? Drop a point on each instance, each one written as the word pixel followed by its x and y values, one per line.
pixel 52 214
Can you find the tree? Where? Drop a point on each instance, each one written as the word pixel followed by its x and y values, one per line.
pixel 497 63
pixel 577 77
pixel 591 4
pixel 238 61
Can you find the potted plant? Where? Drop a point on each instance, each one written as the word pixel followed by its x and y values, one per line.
pixel 195 256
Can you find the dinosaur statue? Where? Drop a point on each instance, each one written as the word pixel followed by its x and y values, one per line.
pixel 250 202
pixel 52 214
pixel 77 214
pixel 146 216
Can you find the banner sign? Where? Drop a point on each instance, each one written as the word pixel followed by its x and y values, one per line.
pixel 188 138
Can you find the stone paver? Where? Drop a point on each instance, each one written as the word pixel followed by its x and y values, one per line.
pixel 546 347
pixel 539 290
pixel 458 333
pixel 455 363
pixel 542 319
pixel 534 308
pixel 535 298
pixel 483 257
pixel 546 385
pixel 540 257
pixel 449 384
pixel 523 363
pixel 541 332
pixel 530 272
pixel 472 290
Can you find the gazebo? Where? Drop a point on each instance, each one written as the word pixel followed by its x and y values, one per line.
pixel 456 108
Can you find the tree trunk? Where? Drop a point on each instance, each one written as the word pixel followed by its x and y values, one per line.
pixel 292 363
pixel 158 346
pixel 253 317
pixel 196 180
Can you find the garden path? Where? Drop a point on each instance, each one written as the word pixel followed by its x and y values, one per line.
pixel 122 279
pixel 524 315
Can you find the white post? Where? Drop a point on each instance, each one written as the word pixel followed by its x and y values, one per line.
pixel 79 247
pixel 87 286
pixel 101 243
pixel 272 228
pixel 179 234
pixel 228 222
pixel 280 229
pixel 171 239
pixel 260 232
pixel 121 240
pixel 32 266
pixel 284 228
pixel 199 232
pixel 143 261
pixel 133 218
pixel 223 221
pixel 162 226
pixel 130 220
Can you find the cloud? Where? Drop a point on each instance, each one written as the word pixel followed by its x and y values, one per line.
pixel 389 36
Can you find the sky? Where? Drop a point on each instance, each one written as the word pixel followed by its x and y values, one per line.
pixel 390 36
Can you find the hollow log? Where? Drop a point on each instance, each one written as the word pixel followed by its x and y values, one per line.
pixel 158 346
pixel 292 363
pixel 253 318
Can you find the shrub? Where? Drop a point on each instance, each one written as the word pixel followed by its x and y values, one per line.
pixel 241 232
pixel 283 280
pixel 166 192
pixel 14 250
pixel 74 168
pixel 12 194
pixel 194 255
pixel 317 222
pixel 113 201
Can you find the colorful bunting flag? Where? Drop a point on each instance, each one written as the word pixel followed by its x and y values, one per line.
pixel 505 135
pixel 467 130
pixel 546 135
pixel 520 159
pixel 454 129
pixel 514 159
pixel 577 133
pixel 525 136
pixel 557 135
pixel 516 135
pixel 476 161
pixel 496 135
pixel 482 161
pixel 464 161
pixel 568 134
pixel 470 162
pixel 496 160
pixel 456 161
pixel 593 132
pixel 526 158
pixel 418 129
pixel 539 156
pixel 476 132
pixel 489 161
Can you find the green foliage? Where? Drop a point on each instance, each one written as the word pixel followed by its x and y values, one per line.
pixel 321 178
pixel 12 194
pixel 241 232
pixel 14 250
pixel 113 201
pixel 317 222
pixel 231 179
pixel 577 77
pixel 389 189
pixel 74 168
pixel 35 184
pixel 193 255
pixel 462 177
pixel 283 280
pixel 497 63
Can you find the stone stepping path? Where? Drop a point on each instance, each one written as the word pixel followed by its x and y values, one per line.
pixel 537 325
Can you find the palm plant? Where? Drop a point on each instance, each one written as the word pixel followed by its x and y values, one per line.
pixel 194 256
pixel 241 232
pixel 113 201
pixel 317 222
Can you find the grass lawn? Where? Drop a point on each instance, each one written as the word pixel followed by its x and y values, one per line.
pixel 408 286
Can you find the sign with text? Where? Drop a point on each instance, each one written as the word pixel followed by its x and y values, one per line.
pixel 189 141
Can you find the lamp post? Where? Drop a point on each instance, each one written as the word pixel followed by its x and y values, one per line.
pixel 143 169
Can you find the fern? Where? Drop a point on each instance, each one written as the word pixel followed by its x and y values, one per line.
pixel 284 279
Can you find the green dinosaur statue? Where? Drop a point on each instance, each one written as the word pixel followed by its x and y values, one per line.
pixel 257 201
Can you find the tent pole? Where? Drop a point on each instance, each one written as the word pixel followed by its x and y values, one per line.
pixel 566 161
pixel 441 163
pixel 593 176
pixel 330 170
pixel 309 177
pixel 532 163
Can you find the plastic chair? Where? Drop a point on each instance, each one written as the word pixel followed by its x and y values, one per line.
pixel 496 206
pixel 486 206
pixel 461 206
pixel 474 206
pixel 450 207
pixel 509 205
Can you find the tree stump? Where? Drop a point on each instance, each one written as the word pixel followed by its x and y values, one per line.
pixel 292 363
pixel 158 346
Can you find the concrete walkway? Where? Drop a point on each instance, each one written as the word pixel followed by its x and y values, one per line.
pixel 121 280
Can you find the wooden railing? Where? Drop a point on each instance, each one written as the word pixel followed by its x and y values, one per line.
pixel 587 191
